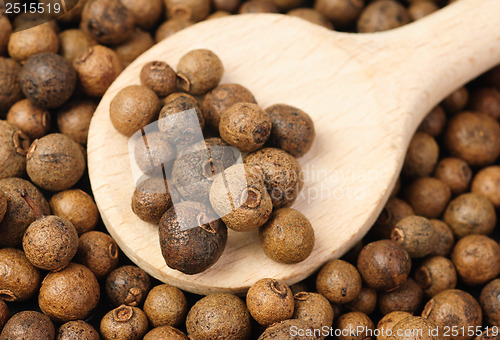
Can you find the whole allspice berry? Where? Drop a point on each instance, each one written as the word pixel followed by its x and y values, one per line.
pixel 165 333
pixel 124 322
pixel 486 100
pixel 340 12
pixel 428 196
pixel 311 15
pixel 386 324
pixel 382 16
pixel 32 120
pixel 226 5
pixel 28 325
pixel 219 316
pixel 446 240
pixel 73 119
pixel 270 301
pixel 192 238
pixel 127 285
pixel 4 313
pixel 453 308
pixel 313 308
pixel 384 265
pixel 76 206
pixel 222 97
pixel 107 21
pixel 199 71
pixel 9 83
pixel 151 199
pixel 166 305
pixel 281 330
pixel 435 275
pixel 98 252
pixel 70 294
pixel 14 146
pixel 416 234
pixel 73 42
pixel 339 281
pixel 487 182
pixel 406 298
pixel 38 39
pixel 474 137
pixel 455 172
pixel 245 126
pixel 19 279
pixel 417 325
pixel 48 80
pixel 470 213
pixel 97 68
pixel 133 108
pixel 170 27
pixel 434 123
pixel 146 13
pixel 490 303
pixel 365 301
pixel 137 44
pixel 292 129
pixel 195 10
pixel 394 211
pixel 422 155
pixel 257 6
pixel 77 330
pixel 420 9
pixel 6 31
pixel 55 162
pixel 154 154
pixel 3 205
pixel 456 101
pixel 287 237
pixel 354 320
pixel 477 259
pixel 159 77
pixel 240 198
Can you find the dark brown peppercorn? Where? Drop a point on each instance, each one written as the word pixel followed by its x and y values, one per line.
pixel 353 320
pixel 195 10
pixel 74 42
pixel 406 298
pixel 31 41
pixel 270 301
pixel 311 15
pixel 313 308
pixel 433 124
pixel 192 238
pixel 394 211
pixel 48 80
pixel 490 303
pixel 28 325
pixel 98 252
pixel 77 207
pixel 457 100
pixel 364 302
pixel 124 322
pixel 77 330
pixel 455 172
pixel 19 279
pixel 166 305
pixel 151 199
pixel 382 16
pixel 9 84
pixel 199 71
pixel 127 285
pixel 446 240
pixel 33 121
pixel 428 196
pixel 146 13
pixel 487 183
pixel 165 333
pixel 486 100
pixel 384 265
pixel 340 12
pixel 339 281
pixel 281 330
pixel 14 146
pixel 436 274
pixel 416 234
pixel 421 157
pixel 73 119
pixel 159 77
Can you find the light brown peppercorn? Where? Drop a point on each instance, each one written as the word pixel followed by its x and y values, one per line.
pixel 455 172
pixel 406 298
pixel 394 211
pixel 456 101
pixel 240 198
pixel 77 330
pixel 33 121
pixel 386 324
pixel 339 281
pixel 97 68
pixel 412 325
pixel 421 157
pixel 436 274
pixel 55 162
pixel 364 302
pixel 313 308
pixel 474 137
pixel 77 207
pixel 446 240
pixel 73 119
pixel 287 237
pixel 384 265
pixel 151 199
pixel 124 322
pixel 28 325
pixel 170 27
pixel 382 15
pixel 138 43
pixel 165 333
pixel 10 90
pixel 19 279
pixel 477 259
pixel 270 301
pixel 38 39
pixel 195 10
pixel 6 31
pixel 18 215
pixel 14 146
pixel 192 238
pixel 311 15
pixel 127 285
pixel 433 124
pixel 69 294
pixel 107 21
pixel 48 80
pixel 221 98
pixel 420 9
pixel 154 154
pixel 292 129
pixel 470 213
pixel 490 303
pixel 226 5
pixel 340 12
pixel 453 308
pixel 146 13
pixel 98 252
pixel 166 305
pixel 159 77
pixel 219 316
pixel 353 320
pixel 199 71
pixel 486 100
pixel 487 183
pixel 282 330
pixel 73 42
pixel 428 196
pixel 416 235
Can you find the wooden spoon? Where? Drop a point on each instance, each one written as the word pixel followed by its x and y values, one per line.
pixel 366 93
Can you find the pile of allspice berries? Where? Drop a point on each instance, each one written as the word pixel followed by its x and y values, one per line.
pixel 430 262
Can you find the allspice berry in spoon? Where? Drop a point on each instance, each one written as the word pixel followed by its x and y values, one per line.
pixel 28 325
pixel 407 298
pixel 454 172
pixel 166 305
pixel 9 83
pixel 154 154
pixel 338 281
pixel 19 279
pixel 77 330
pixel 70 294
pixel 199 71
pixel 245 126
pixel 340 12
pixel 151 199
pixel 415 325
pixel 98 252
pixel 38 39
pixel 165 333
pixel 313 308
pixel 133 108
pixel 73 119
pixel 192 238
pixel 416 234
pixel 382 16
pixel 195 10
pixel 270 301
pixel 55 162
pixel 127 285
pixel 14 146
pixel 76 206
pixel 487 182
pixel 48 80
pixel 32 120
pixel 219 316
pixel 159 77
pixel 490 303
pixel 124 322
